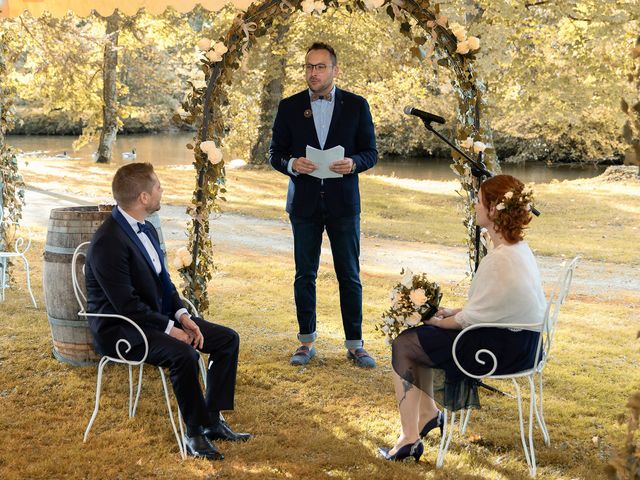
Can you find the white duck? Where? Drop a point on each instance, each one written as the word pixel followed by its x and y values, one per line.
pixel 129 155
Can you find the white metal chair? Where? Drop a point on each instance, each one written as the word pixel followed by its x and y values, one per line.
pixel 21 244
pixel 122 348
pixel 556 299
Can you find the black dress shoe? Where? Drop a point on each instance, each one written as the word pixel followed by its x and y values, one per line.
pixel 222 431
pixel 435 422
pixel 410 451
pixel 200 446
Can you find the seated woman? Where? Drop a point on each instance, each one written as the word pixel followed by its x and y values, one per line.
pixel 505 289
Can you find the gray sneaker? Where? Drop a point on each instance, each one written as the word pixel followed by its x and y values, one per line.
pixel 361 358
pixel 303 355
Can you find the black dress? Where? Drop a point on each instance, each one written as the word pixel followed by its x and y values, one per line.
pixel 422 356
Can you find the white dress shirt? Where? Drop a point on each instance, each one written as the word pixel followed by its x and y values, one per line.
pixel 322 114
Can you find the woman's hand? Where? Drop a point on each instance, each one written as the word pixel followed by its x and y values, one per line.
pixel 447 312
pixel 435 320
pixel 445 321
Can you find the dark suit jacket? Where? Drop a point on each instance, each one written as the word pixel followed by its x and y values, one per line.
pixel 351 126
pixel 121 279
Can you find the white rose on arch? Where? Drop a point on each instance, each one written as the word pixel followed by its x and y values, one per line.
pixel 213 56
pixel 373 4
pixel 204 44
pixel 463 47
pixel 214 154
pixel 467 143
pixel 220 48
pixel 459 31
pixel 310 6
pixel 182 258
pixel 479 147
pixel 474 43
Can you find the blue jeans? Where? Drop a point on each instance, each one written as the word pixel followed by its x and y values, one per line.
pixel 344 236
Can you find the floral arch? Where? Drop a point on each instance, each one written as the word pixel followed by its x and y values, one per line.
pixel 446 44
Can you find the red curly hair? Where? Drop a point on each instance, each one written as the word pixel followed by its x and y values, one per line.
pixel 511 221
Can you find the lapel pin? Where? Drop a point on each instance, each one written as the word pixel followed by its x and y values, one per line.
pixel 308 113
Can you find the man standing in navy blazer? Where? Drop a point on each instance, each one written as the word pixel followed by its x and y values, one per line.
pixel 126 274
pixel 324 117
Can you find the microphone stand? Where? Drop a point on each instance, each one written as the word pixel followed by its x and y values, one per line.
pixel 480 174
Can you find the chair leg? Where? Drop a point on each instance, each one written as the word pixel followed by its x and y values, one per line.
pixel 529 452
pixel 540 415
pixel 130 368
pixel 532 408
pixel 179 439
pixel 3 277
pixel 103 362
pixel 203 371
pixel 26 269
pixel 139 388
pixel 446 437
pixel 464 421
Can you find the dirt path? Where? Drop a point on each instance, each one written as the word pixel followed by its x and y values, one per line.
pixel 379 255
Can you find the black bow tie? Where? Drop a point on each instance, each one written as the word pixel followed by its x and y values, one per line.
pixel 144 227
pixel 315 96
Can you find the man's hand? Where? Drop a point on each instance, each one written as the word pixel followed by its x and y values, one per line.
pixel 343 166
pixel 181 335
pixel 192 329
pixel 303 165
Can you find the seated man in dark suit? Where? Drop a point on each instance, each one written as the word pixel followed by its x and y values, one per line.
pixel 126 274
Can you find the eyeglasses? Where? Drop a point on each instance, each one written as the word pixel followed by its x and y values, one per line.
pixel 320 67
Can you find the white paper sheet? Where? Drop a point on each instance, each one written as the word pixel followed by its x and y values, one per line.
pixel 324 158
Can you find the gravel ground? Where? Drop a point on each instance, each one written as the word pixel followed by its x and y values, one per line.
pixel 378 255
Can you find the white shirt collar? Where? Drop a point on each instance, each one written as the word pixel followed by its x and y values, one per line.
pixel 132 221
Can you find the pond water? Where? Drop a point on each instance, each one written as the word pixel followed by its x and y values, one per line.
pixel 170 149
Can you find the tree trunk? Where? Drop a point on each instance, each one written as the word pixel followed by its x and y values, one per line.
pixel 109 90
pixel 271 96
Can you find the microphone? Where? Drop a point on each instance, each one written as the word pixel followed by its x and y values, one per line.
pixel 429 117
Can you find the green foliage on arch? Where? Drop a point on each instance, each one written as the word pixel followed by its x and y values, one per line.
pixel 12 183
pixel 429 36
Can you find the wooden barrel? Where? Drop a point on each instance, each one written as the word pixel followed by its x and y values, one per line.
pixel 68 228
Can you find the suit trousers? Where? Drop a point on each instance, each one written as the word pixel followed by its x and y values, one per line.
pixel 182 360
pixel 344 236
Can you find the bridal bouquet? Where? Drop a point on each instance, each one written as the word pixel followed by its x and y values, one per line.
pixel 413 300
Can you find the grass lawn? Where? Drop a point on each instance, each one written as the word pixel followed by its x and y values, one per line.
pixel 326 420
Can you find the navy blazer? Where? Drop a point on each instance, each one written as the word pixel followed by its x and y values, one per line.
pixel 351 126
pixel 121 279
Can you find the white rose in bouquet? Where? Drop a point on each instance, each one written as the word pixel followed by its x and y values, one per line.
pixel 407 278
pixel 418 297
pixel 413 319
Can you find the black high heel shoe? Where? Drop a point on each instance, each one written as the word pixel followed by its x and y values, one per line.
pixel 437 421
pixel 411 450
